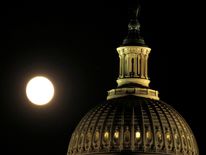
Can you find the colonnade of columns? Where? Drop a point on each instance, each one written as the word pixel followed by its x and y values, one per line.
pixel 133 62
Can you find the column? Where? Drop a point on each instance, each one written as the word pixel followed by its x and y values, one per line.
pixel 142 65
pixel 123 65
pixel 129 65
pixel 120 66
pixel 138 64
pixel 146 66
pixel 135 65
pixel 127 69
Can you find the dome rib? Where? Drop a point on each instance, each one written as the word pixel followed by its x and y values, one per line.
pixel 138 123
pixel 175 122
pixel 169 130
pixel 86 124
pixel 74 138
pixel 160 124
pixel 180 120
pixel 143 127
pixel 151 122
pixel 95 128
pixel 122 129
pixel 104 124
pixel 180 129
pixel 90 129
pixel 113 113
pixel 132 130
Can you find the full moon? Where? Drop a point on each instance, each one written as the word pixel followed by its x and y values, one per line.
pixel 40 90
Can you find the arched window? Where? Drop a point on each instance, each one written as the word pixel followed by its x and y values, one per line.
pixel 138 65
pixel 132 64
pixel 132 68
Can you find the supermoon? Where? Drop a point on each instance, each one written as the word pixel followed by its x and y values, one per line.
pixel 40 90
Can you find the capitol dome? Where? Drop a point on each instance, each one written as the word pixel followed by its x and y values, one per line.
pixel 133 124
pixel 133 120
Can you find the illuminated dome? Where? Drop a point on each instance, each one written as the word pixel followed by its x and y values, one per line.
pixel 133 120
pixel 133 124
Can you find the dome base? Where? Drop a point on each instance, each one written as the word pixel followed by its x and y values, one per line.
pixel 141 92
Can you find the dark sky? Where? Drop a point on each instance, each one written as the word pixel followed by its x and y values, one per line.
pixel 74 44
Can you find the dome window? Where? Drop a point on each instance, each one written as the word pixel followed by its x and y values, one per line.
pixel 137 135
pixel 127 136
pixel 116 137
pixel 177 139
pixel 106 136
pixel 184 140
pixel 149 136
pixel 168 137
pixel 88 138
pixel 159 137
pixel 189 142
pixel 80 143
pixel 75 140
pixel 96 136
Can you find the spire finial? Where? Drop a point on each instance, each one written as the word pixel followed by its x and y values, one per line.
pixel 134 23
pixel 137 12
pixel 133 38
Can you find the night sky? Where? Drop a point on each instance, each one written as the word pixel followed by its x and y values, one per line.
pixel 74 44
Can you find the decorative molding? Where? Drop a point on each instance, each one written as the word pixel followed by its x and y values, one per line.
pixel 141 92
pixel 124 81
